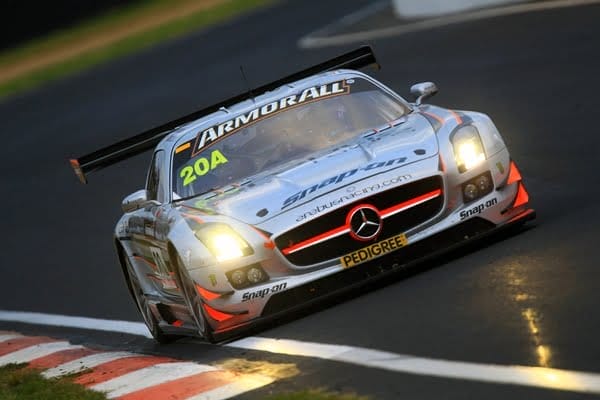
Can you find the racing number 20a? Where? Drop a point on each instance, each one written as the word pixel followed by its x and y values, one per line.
pixel 201 166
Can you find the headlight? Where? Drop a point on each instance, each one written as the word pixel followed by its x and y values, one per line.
pixel 468 149
pixel 223 242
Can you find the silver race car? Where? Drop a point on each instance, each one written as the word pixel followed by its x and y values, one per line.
pixel 298 189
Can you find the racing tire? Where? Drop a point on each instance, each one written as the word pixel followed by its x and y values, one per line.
pixel 143 306
pixel 193 302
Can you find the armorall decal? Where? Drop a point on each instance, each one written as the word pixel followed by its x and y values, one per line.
pixel 209 136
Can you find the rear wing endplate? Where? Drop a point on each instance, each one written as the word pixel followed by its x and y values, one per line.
pixel 124 149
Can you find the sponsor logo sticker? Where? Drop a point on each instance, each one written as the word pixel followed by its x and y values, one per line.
pixel 334 180
pixel 261 293
pixel 478 209
pixel 374 251
pixel 214 133
pixel 352 194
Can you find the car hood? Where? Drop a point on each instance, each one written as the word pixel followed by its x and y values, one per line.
pixel 286 187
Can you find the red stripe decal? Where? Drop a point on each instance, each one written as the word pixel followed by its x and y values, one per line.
pixel 521 216
pixel 193 217
pixel 313 240
pixel 514 175
pixel 268 242
pixel 410 203
pixel 207 294
pixel 217 315
pixel 442 164
pixel 439 119
pixel 456 117
pixel 522 196
pixel 346 228
pixel 152 265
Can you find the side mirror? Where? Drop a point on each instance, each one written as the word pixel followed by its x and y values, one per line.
pixel 136 200
pixel 422 91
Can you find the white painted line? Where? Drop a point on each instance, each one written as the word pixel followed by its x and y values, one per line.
pixel 36 351
pixel 241 385
pixel 9 336
pixel 546 378
pixel 292 347
pixel 150 376
pixel 131 328
pixel 319 38
pixel 430 8
pixel 84 363
pixel 366 11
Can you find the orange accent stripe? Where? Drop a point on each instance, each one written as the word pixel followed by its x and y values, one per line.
pixel 217 315
pixel 522 196
pixel 177 323
pixel 456 117
pixel 439 119
pixel 521 216
pixel 61 357
pixel 154 267
pixel 442 164
pixel 193 208
pixel 268 242
pixel 193 217
pixel 207 294
pixel 514 175
pixel 411 202
pixel 113 369
pixel 307 242
pixel 184 388
pixel 21 343
pixel 183 147
pixel 77 168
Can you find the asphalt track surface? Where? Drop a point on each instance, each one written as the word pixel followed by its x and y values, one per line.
pixel 527 299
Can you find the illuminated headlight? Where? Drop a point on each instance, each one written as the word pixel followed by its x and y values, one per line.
pixel 468 149
pixel 223 242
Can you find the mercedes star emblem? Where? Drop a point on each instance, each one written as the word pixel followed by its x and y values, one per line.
pixel 365 222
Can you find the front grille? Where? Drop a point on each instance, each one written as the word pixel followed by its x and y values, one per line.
pixel 393 262
pixel 337 246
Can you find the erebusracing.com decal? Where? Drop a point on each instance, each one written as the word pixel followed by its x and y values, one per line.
pixel 339 178
pixel 353 193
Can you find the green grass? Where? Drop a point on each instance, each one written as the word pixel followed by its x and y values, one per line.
pixel 20 383
pixel 103 24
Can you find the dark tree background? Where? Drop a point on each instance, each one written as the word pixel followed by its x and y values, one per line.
pixel 23 20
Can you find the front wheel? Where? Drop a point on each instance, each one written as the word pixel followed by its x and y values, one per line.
pixel 144 306
pixel 193 301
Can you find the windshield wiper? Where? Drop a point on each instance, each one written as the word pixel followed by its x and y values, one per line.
pixel 193 195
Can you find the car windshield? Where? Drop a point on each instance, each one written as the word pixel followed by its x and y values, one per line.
pixel 292 127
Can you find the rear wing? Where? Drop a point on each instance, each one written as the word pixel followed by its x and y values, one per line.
pixel 124 149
